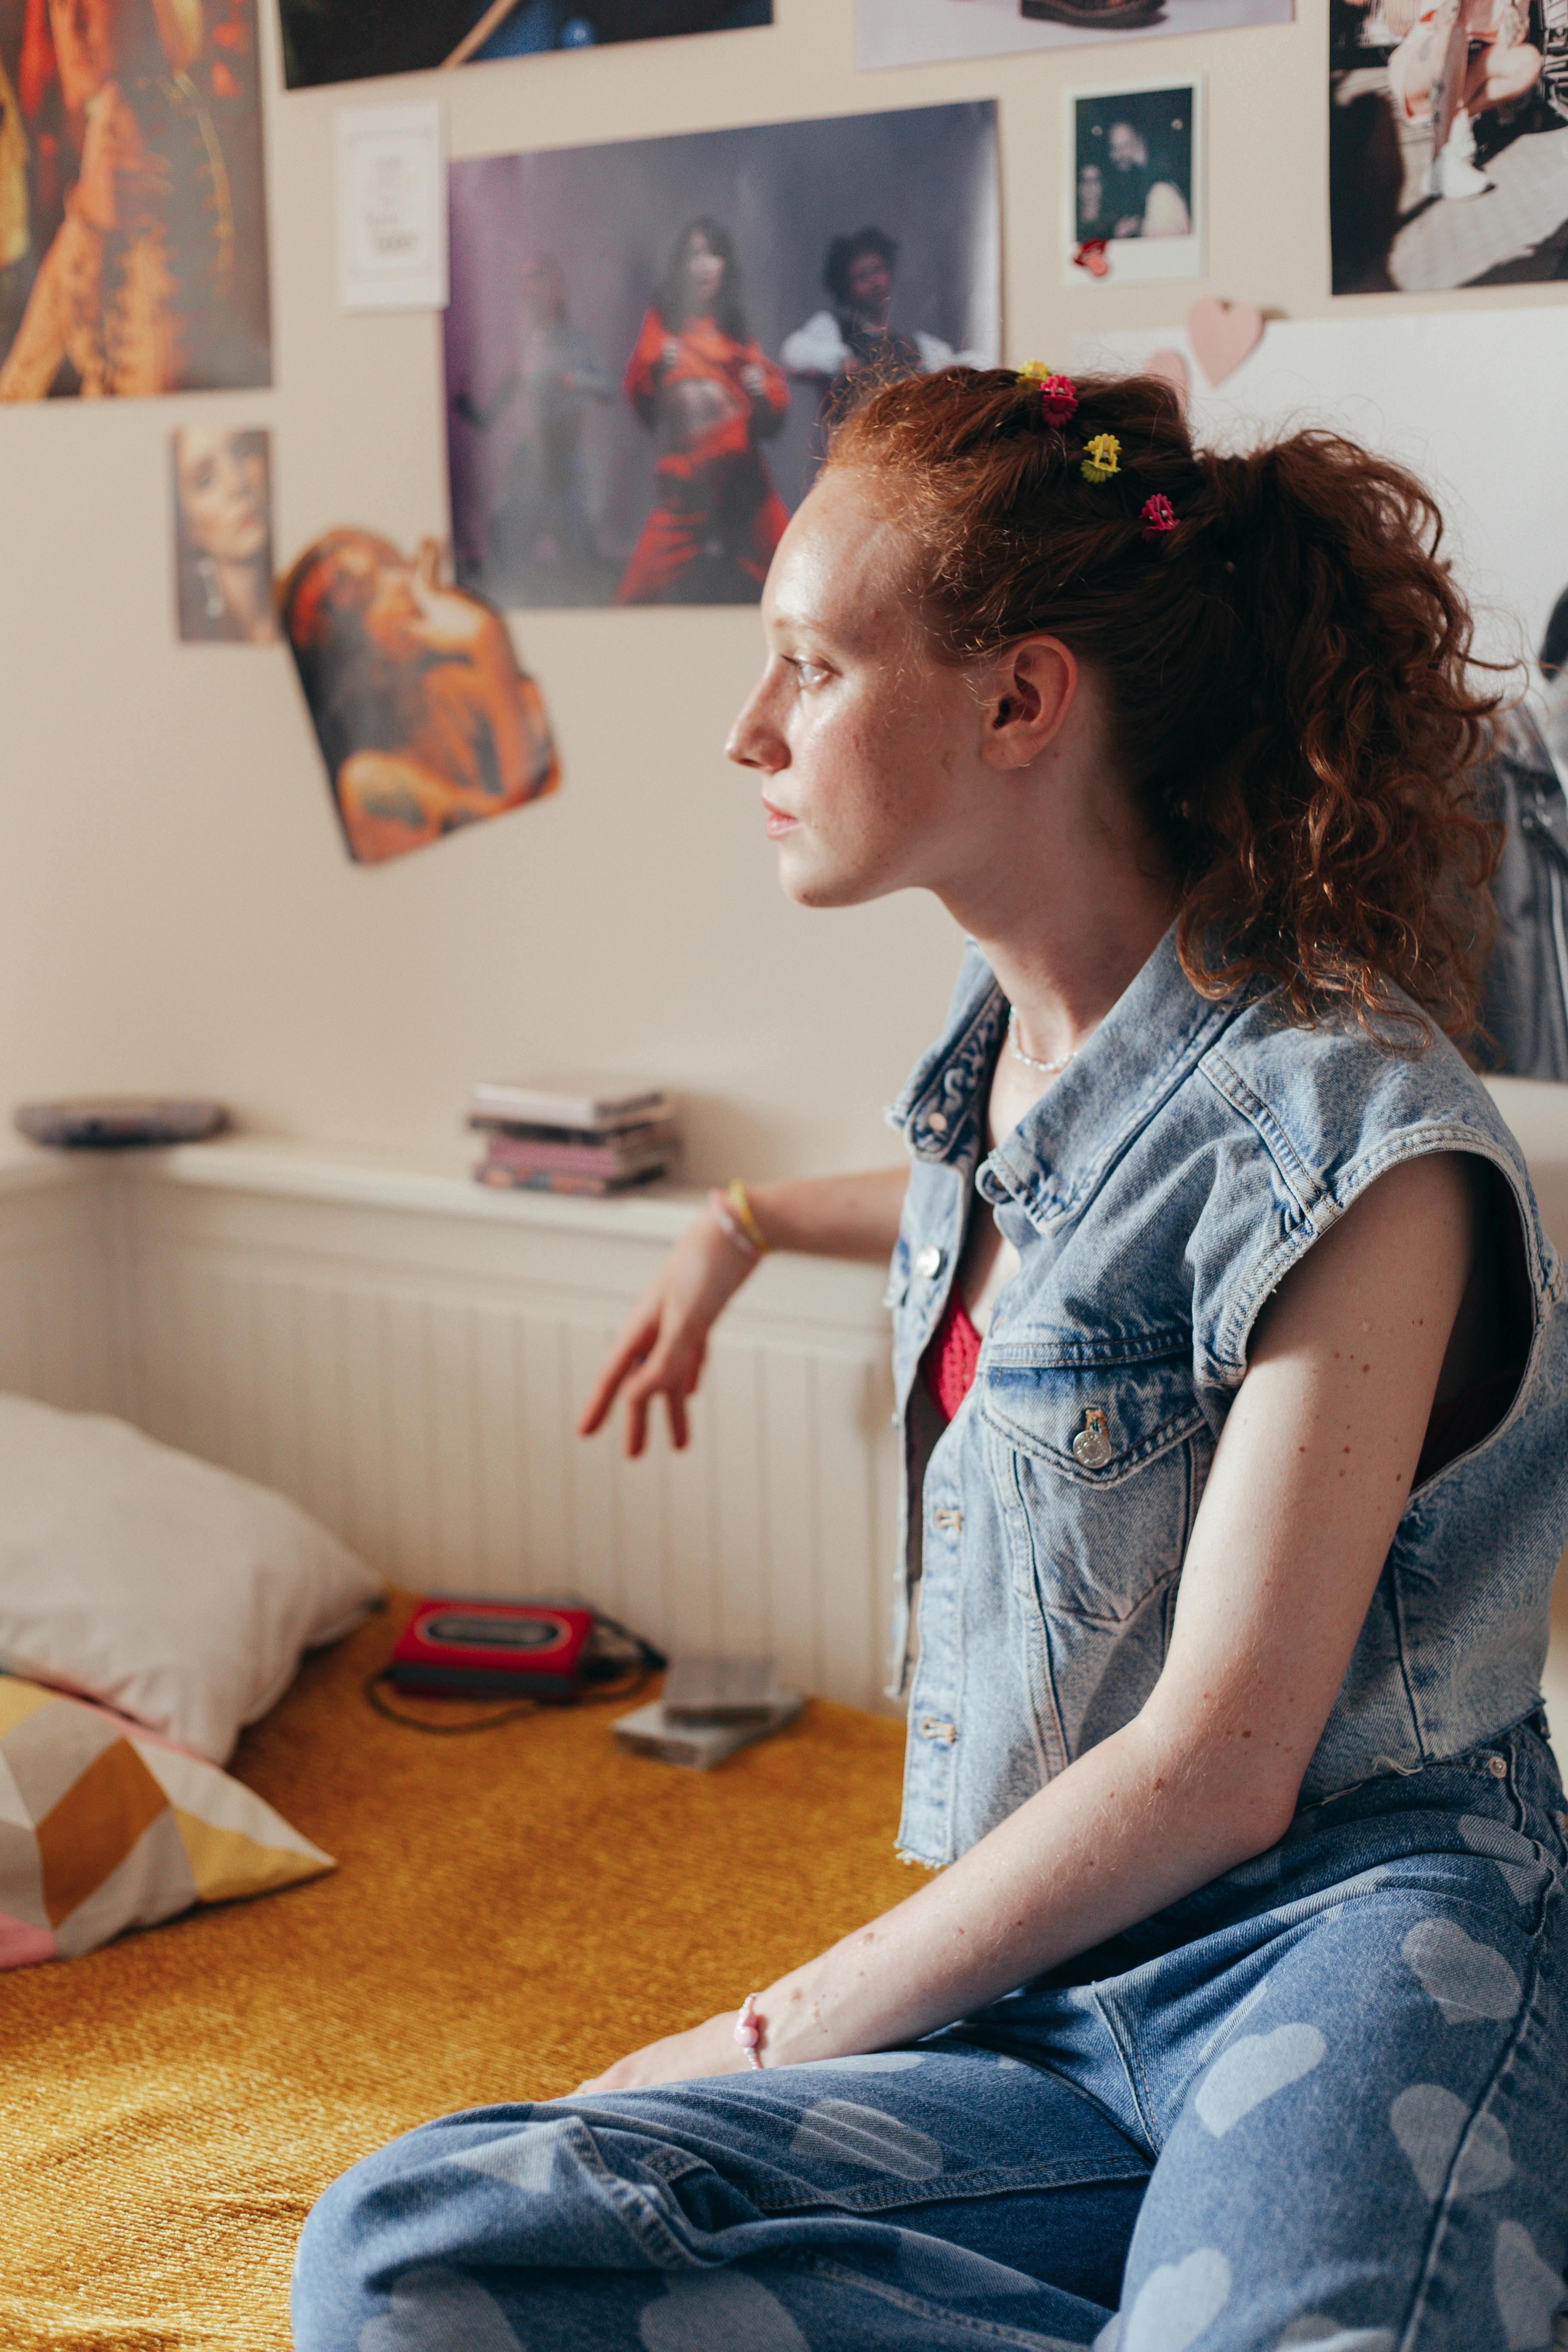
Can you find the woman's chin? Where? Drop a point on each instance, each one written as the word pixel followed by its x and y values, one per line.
pixel 815 882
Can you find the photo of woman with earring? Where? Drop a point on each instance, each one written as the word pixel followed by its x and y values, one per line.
pixel 222 536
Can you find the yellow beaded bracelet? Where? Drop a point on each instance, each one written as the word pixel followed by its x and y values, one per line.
pixel 739 1201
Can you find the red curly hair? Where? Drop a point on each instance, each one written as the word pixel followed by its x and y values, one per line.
pixel 1287 669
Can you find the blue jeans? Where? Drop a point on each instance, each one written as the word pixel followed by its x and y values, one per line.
pixel 1324 2101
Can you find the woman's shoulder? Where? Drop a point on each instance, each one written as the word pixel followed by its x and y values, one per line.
pixel 1299 1122
pixel 1348 1096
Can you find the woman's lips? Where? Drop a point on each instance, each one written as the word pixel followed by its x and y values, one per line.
pixel 780 821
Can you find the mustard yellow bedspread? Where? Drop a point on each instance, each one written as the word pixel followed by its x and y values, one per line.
pixel 511 1911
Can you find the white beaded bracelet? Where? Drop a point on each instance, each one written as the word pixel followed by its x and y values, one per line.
pixel 749 2030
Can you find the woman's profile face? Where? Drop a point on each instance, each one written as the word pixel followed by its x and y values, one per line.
pixel 704 269
pixel 223 494
pixel 82 32
pixel 866 747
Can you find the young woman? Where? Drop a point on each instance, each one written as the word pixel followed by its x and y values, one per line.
pixel 699 381
pixel 1233 1380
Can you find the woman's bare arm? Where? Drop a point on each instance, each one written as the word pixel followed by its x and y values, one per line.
pixel 661 1345
pixel 1309 1481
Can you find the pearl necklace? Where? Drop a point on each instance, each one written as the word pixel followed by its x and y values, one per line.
pixel 1028 1060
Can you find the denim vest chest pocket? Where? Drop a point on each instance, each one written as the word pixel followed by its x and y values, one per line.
pixel 1105 1451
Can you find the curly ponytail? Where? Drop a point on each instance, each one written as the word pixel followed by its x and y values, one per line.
pixel 1286 668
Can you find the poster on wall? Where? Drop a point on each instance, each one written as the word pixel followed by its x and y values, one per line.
pixel 646 343
pixel 925 32
pixel 222 483
pixel 1131 206
pixel 425 720
pixel 1448 145
pixel 133 217
pixel 347 40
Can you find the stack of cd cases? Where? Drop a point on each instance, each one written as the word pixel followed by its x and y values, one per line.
pixel 710 1707
pixel 574 1134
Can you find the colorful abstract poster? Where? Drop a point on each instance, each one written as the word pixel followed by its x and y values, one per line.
pixel 222 482
pixel 646 343
pixel 133 216
pixel 1448 144
pixel 425 719
pixel 925 32
pixel 349 40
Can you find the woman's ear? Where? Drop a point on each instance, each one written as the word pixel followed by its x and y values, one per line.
pixel 1028 696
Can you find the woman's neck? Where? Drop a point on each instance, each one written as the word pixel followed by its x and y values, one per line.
pixel 1067 937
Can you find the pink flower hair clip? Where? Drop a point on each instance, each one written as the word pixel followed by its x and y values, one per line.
pixel 1158 516
pixel 1058 393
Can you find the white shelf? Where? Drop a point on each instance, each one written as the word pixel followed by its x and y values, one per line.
pixel 438 1183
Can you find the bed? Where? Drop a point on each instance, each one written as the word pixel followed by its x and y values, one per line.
pixel 511 1911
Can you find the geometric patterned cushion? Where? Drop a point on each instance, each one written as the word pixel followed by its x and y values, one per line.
pixel 103 1826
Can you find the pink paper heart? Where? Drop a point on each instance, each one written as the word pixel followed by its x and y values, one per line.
pixel 1222 334
pixel 1172 367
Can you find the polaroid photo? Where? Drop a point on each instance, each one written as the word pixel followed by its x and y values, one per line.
pixel 1132 194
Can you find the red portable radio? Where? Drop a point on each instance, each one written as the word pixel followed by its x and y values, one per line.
pixel 494 1649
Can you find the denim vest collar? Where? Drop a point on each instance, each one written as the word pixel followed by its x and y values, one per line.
pixel 1059 1150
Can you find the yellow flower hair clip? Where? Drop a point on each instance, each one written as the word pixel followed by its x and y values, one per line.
pixel 1102 458
pixel 1034 372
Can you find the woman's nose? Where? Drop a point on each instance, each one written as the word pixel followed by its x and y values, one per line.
pixel 753 742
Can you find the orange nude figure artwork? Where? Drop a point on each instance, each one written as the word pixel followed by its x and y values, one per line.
pixel 425 720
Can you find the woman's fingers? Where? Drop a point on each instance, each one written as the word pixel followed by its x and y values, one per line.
pixel 668 1372
pixel 632 1349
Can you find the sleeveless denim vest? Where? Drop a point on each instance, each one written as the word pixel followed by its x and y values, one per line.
pixel 1156 1194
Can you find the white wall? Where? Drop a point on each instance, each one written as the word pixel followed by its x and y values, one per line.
pixel 175 909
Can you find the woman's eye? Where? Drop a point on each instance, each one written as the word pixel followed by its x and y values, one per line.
pixel 809 673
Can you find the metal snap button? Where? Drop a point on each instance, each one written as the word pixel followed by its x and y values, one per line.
pixel 1091 1447
pixel 937 1122
pixel 1498 1767
pixel 929 1262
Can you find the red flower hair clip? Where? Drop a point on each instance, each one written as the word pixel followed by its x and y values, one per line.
pixel 1059 398
pixel 1158 516
pixel 1058 393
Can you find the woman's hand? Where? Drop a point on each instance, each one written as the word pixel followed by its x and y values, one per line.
pixel 664 1340
pixel 709 2049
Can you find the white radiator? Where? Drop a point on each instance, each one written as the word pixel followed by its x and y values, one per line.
pixel 406 1354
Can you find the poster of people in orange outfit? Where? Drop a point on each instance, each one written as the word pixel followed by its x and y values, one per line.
pixel 133 218
pixel 426 719
pixel 644 341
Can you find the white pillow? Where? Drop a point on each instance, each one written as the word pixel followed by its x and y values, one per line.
pixel 171 1589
